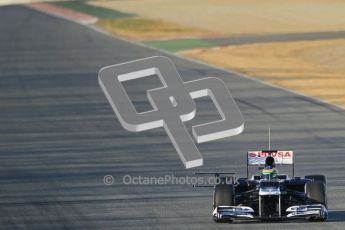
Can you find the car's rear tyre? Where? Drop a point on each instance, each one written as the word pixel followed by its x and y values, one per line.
pixel 316 177
pixel 223 195
pixel 316 194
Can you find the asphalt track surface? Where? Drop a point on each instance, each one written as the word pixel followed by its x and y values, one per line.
pixel 59 136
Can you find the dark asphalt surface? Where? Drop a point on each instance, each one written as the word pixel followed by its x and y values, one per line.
pixel 288 37
pixel 59 136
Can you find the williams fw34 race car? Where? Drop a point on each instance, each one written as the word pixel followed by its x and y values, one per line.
pixel 269 195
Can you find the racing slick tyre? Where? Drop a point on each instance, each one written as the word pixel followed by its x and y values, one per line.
pixel 223 195
pixel 316 194
pixel 316 178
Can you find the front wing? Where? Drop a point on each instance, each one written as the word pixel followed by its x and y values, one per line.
pixel 312 212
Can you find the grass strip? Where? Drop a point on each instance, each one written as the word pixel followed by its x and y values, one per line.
pixel 180 44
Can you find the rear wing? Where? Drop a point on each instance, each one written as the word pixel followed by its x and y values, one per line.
pixel 257 158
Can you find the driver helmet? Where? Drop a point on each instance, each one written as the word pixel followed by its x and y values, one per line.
pixel 269 162
pixel 269 172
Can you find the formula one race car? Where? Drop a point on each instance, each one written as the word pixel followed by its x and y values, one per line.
pixel 270 195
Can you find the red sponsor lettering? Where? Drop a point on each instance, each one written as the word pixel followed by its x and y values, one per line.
pixel 280 154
